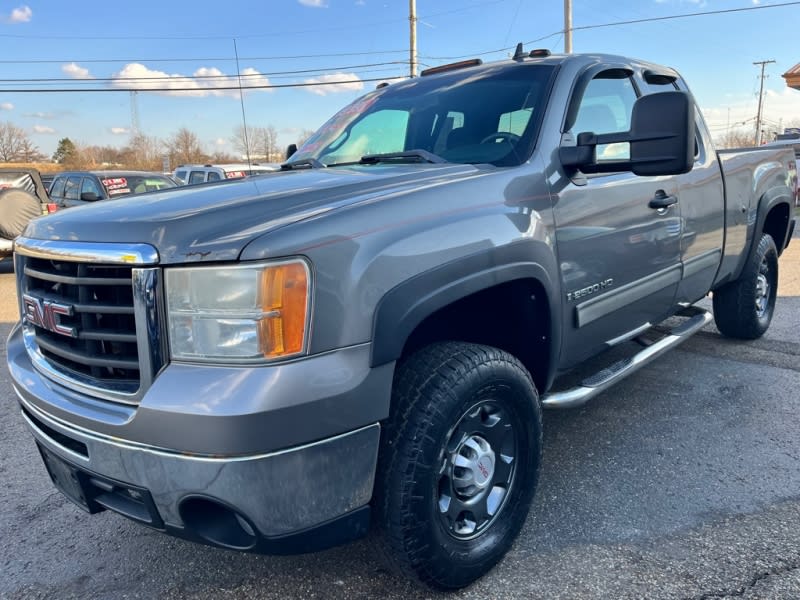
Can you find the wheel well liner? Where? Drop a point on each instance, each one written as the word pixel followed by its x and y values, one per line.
pixel 774 214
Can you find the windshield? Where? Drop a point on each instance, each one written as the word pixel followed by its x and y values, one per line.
pixel 489 116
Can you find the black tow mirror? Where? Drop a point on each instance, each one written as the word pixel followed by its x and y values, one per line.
pixel 663 134
pixel 290 149
pixel 661 139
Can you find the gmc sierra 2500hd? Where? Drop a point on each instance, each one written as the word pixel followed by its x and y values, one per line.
pixel 370 335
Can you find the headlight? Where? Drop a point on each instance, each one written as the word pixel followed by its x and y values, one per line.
pixel 240 312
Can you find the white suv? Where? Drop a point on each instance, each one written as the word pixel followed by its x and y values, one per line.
pixel 193 174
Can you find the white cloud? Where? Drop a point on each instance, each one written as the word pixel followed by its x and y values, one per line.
pixel 220 142
pixel 21 14
pixel 119 130
pixel 43 129
pixel 6 106
pixel 76 71
pixel 314 3
pixel 334 83
pixel 140 77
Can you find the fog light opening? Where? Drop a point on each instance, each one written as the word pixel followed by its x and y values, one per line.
pixel 217 523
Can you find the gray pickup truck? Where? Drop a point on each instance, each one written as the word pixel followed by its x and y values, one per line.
pixel 367 338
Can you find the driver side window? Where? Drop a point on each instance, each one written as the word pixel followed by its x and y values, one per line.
pixel 606 107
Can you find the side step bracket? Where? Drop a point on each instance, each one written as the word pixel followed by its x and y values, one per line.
pixel 604 379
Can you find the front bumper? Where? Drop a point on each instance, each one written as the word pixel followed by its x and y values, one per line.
pixel 274 459
pixel 298 500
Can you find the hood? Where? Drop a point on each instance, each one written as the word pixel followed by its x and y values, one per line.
pixel 215 222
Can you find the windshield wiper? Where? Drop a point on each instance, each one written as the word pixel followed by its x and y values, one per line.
pixel 311 163
pixel 424 155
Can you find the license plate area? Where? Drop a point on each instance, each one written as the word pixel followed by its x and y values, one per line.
pixel 66 479
pixel 94 493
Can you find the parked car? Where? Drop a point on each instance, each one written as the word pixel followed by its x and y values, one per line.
pixel 367 339
pixel 75 188
pixel 47 180
pixel 194 174
pixel 22 198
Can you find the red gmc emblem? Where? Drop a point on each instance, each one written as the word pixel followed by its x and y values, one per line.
pixel 44 314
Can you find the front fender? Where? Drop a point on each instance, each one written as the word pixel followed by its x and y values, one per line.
pixel 405 306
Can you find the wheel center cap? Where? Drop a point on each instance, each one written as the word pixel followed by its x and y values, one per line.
pixel 484 470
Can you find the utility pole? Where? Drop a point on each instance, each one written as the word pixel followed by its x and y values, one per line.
pixel 568 26
pixel 412 17
pixel 135 126
pixel 759 116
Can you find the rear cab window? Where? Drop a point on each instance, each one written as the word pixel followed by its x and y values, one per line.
pixel 196 177
pixel 57 189
pixel 72 188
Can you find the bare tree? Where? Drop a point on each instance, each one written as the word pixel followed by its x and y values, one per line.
pixel 143 152
pixel 262 143
pixel 735 138
pixel 304 136
pixel 184 147
pixel 222 157
pixel 29 152
pixel 12 142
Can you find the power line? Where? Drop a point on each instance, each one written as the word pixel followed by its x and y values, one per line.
pixel 95 80
pixel 619 23
pixel 199 89
pixel 35 61
pixel 685 15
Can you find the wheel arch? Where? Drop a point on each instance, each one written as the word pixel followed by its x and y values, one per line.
pixel 455 301
pixel 774 217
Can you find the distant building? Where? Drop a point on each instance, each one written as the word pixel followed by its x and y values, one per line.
pixel 792 77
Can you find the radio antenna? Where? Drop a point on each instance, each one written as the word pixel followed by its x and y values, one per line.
pixel 241 101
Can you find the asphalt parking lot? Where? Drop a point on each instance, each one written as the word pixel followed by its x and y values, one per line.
pixel 681 482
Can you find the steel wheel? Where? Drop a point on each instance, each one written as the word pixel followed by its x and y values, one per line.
pixel 477 470
pixel 762 289
pixel 459 462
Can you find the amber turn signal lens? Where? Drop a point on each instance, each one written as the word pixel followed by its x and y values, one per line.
pixel 284 297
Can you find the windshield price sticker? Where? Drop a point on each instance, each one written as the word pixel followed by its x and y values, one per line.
pixel 115 183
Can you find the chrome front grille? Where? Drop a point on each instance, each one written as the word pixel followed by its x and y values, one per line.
pixel 96 336
pixel 91 326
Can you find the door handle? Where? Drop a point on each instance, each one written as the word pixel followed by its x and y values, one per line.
pixel 661 201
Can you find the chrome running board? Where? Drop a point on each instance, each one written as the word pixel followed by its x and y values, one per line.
pixel 604 379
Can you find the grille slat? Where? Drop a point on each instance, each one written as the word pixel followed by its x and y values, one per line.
pixel 102 350
pixel 110 336
pixel 107 309
pixel 71 280
pixel 83 358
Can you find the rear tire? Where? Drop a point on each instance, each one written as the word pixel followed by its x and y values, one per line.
pixel 459 462
pixel 743 308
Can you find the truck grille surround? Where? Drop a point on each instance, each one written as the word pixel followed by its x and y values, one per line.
pixel 94 327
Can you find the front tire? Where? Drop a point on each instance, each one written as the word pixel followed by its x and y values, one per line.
pixel 743 308
pixel 459 462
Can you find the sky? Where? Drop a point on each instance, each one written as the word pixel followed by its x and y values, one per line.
pixel 350 45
